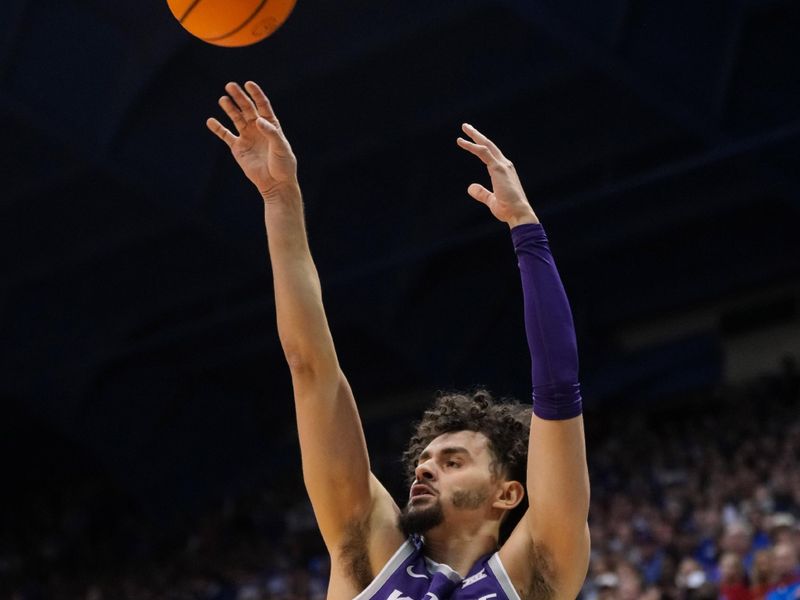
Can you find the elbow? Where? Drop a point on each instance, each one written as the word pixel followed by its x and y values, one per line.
pixel 310 365
pixel 297 361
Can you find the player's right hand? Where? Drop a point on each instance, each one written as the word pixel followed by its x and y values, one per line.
pixel 506 200
pixel 261 149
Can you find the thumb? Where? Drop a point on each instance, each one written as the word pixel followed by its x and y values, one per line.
pixel 480 193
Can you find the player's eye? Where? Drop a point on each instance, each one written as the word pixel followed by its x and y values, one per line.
pixel 452 463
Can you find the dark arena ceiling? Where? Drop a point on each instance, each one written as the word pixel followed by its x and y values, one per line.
pixel 658 141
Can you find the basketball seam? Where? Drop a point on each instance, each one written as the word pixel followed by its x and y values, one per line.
pixel 189 9
pixel 238 27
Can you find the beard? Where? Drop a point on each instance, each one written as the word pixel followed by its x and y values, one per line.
pixel 417 520
pixel 470 499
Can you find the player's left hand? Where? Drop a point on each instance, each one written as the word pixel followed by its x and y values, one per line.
pixel 507 199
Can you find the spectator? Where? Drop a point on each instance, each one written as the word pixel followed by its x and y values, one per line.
pixel 787 573
pixel 630 582
pixel 738 539
pixel 733 579
pixel 607 586
pixel 690 579
pixel 782 528
pixel 762 574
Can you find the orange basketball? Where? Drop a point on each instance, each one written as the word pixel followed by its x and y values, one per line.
pixel 231 22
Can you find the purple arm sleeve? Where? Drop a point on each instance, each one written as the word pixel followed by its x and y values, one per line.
pixel 548 326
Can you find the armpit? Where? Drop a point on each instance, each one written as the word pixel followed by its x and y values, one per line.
pixel 539 587
pixel 354 554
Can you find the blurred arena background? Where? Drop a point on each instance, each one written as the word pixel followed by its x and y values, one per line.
pixel 147 440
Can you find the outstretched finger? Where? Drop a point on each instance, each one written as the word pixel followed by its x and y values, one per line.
pixel 482 140
pixel 220 131
pixel 230 108
pixel 242 100
pixel 478 150
pixel 480 193
pixel 263 104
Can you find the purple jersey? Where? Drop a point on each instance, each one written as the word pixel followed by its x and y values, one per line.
pixel 409 575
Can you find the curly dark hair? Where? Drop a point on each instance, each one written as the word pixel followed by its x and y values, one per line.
pixel 505 423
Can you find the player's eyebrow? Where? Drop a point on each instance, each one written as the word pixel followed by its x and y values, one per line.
pixel 448 451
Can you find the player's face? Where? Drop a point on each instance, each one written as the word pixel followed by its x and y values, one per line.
pixel 453 481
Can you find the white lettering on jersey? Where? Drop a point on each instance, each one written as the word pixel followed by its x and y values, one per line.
pixel 397 595
pixel 475 578
pixel 432 595
pixel 487 596
pixel 417 575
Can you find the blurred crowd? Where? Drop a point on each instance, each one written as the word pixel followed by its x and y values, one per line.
pixel 699 503
pixel 698 499
pixel 80 543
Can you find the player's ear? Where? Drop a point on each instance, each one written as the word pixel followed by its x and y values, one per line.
pixel 509 495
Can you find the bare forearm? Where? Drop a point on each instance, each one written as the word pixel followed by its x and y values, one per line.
pixel 302 325
pixel 327 416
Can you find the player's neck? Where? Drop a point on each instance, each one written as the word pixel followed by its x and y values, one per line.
pixel 460 548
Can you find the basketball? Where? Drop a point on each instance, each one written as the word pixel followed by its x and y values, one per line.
pixel 231 22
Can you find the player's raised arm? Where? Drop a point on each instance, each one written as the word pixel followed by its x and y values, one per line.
pixel 335 463
pixel 549 550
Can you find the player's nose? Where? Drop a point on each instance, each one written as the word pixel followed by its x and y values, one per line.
pixel 424 472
